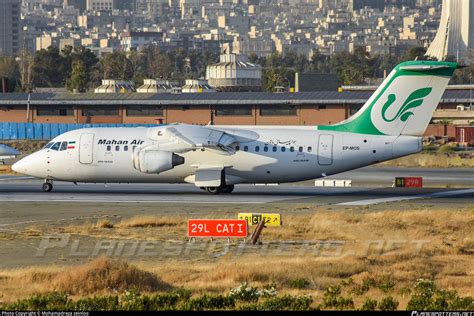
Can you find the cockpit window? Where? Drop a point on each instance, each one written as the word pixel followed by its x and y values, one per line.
pixel 48 145
pixel 56 146
pixel 63 146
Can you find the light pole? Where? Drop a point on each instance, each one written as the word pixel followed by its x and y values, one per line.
pixel 289 83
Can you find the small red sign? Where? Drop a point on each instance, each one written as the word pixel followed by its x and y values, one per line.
pixel 413 182
pixel 216 228
pixel 409 182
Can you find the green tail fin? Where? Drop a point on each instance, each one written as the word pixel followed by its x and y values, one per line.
pixel 404 102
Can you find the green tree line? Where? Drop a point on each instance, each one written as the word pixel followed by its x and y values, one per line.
pixel 79 69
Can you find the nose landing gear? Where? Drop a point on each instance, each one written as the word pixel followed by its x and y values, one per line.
pixel 47 186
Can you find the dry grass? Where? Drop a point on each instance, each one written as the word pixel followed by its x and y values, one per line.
pixel 103 223
pixel 430 161
pixel 106 275
pixel 446 257
pixel 150 221
pixel 99 276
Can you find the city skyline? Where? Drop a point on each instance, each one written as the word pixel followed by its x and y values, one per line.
pixel 242 27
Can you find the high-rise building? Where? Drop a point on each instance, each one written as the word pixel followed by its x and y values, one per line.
pixel 100 5
pixel 455 35
pixel 381 4
pixel 128 5
pixel 78 4
pixel 10 28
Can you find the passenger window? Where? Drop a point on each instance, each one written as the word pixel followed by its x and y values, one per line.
pixel 265 149
pixel 117 148
pixel 300 149
pixel 292 149
pixel 246 148
pixel 63 146
pixel 274 148
pixel 283 149
pixel 56 146
pixel 257 148
pixel 48 145
pixel 125 148
pixel 109 148
pixel 310 149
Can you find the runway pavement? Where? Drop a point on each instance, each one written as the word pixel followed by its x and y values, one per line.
pixel 27 214
pixel 373 186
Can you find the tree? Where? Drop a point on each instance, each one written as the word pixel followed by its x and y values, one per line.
pixel 352 68
pixel 417 53
pixel 50 68
pixel 26 61
pixel 274 77
pixel 116 66
pixel 79 80
pixel 85 55
pixel 9 69
pixel 159 64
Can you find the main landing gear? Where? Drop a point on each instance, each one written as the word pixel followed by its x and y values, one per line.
pixel 226 189
pixel 47 186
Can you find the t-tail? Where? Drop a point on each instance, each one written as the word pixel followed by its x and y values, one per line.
pixel 404 103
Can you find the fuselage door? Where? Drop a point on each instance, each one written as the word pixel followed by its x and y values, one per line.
pixel 325 144
pixel 86 147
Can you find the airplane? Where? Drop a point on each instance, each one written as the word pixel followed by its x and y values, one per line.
pixel 216 158
pixel 7 152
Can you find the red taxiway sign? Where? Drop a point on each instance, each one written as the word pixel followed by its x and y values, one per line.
pixel 216 228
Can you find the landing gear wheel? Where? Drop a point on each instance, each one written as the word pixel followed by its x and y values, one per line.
pixel 213 190
pixel 227 189
pixel 47 187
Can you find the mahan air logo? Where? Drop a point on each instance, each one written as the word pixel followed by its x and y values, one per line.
pixel 413 101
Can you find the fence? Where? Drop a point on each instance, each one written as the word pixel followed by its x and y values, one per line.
pixel 44 131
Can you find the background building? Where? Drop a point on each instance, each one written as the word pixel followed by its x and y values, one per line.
pixel 10 35
pixel 234 73
pixel 100 5
pixel 78 4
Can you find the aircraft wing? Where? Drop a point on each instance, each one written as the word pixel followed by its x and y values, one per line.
pixel 182 138
pixel 8 151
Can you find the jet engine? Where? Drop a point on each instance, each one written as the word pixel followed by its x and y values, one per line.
pixel 155 161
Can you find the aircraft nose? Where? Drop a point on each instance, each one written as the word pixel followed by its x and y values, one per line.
pixel 25 165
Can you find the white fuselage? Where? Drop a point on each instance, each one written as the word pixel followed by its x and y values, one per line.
pixel 270 155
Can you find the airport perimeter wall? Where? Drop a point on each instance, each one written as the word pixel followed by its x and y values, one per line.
pixel 46 131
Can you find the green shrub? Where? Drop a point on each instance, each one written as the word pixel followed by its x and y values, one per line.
pixel 96 303
pixel 268 290
pixel 388 304
pixel 430 148
pixel 462 303
pixel 53 301
pixel 299 283
pixel 426 296
pixel 359 289
pixel 332 299
pixel 248 307
pixel 386 284
pixel 369 305
pixel 446 149
pixel 287 302
pixel 210 302
pixel 245 293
